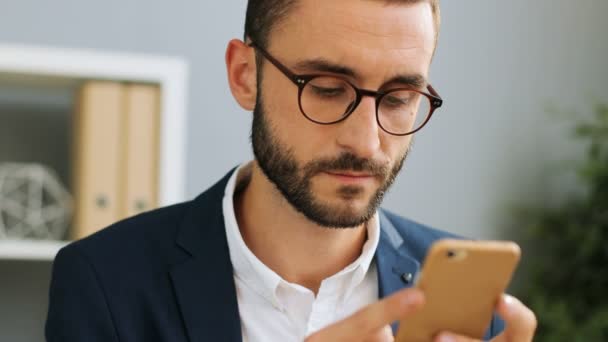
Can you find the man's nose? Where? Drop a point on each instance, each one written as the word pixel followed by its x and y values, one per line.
pixel 359 133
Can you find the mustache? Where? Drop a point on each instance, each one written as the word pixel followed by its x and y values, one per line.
pixel 347 162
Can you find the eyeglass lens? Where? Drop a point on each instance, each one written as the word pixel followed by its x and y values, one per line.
pixel 329 99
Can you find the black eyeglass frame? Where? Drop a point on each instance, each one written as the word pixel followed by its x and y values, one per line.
pixel 302 80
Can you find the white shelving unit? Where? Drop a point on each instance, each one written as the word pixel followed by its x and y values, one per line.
pixel 30 250
pixel 69 67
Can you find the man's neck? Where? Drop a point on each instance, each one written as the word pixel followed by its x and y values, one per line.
pixel 297 249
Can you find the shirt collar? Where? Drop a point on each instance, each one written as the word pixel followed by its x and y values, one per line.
pixel 246 265
pixel 260 277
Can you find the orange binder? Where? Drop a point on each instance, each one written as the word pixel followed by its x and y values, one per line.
pixel 97 169
pixel 142 148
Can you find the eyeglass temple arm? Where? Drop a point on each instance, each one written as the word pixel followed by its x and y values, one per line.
pixel 296 80
pixel 293 77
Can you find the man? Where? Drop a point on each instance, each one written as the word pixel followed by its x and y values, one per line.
pixel 291 246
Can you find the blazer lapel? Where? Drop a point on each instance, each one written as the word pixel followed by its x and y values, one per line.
pixel 204 283
pixel 397 266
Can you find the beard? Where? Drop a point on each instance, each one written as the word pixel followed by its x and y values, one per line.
pixel 294 181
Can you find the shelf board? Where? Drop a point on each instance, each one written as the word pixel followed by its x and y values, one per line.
pixel 35 250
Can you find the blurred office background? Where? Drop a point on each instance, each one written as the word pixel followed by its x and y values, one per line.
pixel 500 66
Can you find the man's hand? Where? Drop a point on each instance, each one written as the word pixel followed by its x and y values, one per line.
pixel 372 323
pixel 520 323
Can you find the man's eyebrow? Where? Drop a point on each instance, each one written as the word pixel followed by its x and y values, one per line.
pixel 323 65
pixel 414 81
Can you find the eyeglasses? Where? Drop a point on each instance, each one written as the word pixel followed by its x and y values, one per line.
pixel 327 100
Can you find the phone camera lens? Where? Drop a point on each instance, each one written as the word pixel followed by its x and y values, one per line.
pixel 451 254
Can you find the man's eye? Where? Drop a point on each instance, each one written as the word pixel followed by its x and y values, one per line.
pixel 396 101
pixel 328 92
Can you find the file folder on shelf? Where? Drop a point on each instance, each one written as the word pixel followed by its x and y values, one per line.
pixel 142 148
pixel 97 169
pixel 116 153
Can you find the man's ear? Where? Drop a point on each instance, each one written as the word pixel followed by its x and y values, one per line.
pixel 241 68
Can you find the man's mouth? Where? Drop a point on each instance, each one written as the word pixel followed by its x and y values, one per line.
pixel 351 177
pixel 350 174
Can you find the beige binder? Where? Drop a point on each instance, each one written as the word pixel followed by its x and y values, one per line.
pixel 97 170
pixel 142 148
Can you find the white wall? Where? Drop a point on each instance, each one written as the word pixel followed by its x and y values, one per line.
pixel 498 65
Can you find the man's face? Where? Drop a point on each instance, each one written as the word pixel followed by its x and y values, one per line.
pixel 336 175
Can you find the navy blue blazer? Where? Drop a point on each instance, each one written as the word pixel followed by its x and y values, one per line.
pixel 166 275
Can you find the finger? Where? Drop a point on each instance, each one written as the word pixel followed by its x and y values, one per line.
pixel 383 335
pixel 372 318
pixel 520 321
pixel 388 333
pixel 386 311
pixel 449 337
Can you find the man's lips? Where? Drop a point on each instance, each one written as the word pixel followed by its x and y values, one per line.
pixel 350 174
pixel 351 177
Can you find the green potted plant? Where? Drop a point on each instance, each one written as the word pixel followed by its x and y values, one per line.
pixel 566 282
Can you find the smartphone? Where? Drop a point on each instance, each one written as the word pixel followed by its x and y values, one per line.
pixel 462 281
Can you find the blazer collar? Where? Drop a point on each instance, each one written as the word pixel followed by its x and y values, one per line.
pixel 397 266
pixel 204 283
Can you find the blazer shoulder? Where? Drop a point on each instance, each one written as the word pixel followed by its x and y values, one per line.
pixel 150 238
pixel 150 231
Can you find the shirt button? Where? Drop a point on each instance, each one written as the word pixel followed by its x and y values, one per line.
pixel 407 277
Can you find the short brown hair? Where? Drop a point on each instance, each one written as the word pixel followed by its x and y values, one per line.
pixel 263 15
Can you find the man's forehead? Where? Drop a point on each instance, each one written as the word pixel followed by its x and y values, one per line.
pixel 375 23
pixel 372 38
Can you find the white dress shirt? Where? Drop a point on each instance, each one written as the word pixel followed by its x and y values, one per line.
pixel 272 309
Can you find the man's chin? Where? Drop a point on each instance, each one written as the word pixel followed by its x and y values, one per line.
pixel 343 215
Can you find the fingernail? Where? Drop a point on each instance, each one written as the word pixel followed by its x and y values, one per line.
pixel 446 338
pixel 508 303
